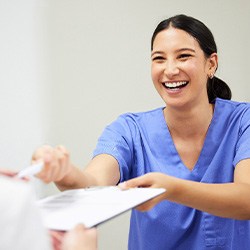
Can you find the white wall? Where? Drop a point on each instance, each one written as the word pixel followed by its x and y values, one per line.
pixel 24 82
pixel 22 78
pixel 69 67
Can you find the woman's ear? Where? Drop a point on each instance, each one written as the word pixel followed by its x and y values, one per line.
pixel 213 64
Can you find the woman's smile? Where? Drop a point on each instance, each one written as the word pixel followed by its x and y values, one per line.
pixel 175 86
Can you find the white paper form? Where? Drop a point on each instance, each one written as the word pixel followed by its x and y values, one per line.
pixel 91 206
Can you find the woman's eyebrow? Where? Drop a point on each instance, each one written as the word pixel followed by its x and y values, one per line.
pixel 185 49
pixel 156 52
pixel 177 51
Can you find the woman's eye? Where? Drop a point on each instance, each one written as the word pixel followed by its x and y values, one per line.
pixel 184 56
pixel 158 58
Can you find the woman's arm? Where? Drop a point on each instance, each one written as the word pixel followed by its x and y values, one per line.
pixel 101 170
pixel 231 200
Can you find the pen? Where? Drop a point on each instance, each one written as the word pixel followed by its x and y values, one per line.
pixel 30 170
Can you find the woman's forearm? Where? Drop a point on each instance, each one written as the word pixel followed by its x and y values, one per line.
pixel 230 200
pixel 102 170
pixel 74 179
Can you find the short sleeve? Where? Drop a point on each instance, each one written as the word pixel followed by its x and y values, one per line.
pixel 116 140
pixel 243 144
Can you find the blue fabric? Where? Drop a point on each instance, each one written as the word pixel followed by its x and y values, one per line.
pixel 141 143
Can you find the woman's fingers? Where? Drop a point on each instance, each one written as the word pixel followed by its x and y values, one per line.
pixel 63 161
pixel 56 162
pixel 142 181
pixel 150 180
pixel 150 203
pixel 41 153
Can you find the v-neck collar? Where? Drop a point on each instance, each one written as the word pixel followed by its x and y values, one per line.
pixel 205 154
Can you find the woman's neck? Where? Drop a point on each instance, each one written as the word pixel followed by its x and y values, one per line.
pixel 192 122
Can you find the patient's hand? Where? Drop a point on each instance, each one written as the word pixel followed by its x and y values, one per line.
pixel 56 239
pixel 12 174
pixel 8 172
pixel 80 238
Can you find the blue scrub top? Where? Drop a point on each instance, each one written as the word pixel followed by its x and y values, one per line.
pixel 141 143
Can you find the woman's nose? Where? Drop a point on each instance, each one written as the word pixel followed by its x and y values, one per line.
pixel 171 69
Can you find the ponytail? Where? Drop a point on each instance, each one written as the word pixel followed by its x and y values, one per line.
pixel 218 88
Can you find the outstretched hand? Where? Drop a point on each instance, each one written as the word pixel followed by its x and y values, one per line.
pixel 150 180
pixel 56 162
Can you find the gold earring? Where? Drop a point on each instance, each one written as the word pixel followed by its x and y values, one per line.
pixel 211 75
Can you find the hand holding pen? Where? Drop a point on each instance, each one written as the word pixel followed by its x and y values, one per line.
pixel 56 163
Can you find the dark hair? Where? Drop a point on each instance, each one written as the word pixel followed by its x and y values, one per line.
pixel 215 86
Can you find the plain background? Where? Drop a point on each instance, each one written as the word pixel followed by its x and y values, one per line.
pixel 70 67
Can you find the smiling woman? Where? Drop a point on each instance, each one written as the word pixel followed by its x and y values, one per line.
pixel 196 147
pixel 204 41
pixel 180 69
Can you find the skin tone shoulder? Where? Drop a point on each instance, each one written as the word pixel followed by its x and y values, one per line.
pixel 180 71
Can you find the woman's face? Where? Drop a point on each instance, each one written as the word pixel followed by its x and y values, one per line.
pixel 180 69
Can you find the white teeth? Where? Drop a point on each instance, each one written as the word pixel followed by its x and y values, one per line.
pixel 174 84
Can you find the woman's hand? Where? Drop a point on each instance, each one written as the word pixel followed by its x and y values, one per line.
pixel 151 180
pixel 56 163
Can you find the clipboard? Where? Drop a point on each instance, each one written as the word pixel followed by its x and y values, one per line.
pixel 91 206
